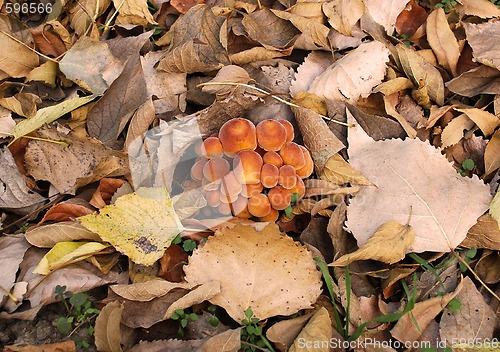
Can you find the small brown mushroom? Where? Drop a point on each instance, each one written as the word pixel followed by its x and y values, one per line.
pixel 259 205
pixel 236 135
pixel 247 165
pixel 292 155
pixel 271 135
pixel 279 197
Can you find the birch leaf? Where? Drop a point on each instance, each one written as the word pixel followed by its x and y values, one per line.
pixel 141 225
pixel 412 174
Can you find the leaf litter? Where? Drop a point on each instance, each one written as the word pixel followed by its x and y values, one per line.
pixel 107 108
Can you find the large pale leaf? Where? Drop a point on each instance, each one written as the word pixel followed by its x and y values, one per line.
pixel 141 225
pixel 411 175
pixel 484 40
pixel 354 75
pixel 14 194
pixel 252 267
pixel 387 14
pixel 343 14
pixel 47 236
pixel 48 115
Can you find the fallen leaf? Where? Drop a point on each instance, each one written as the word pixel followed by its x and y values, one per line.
pixel 204 292
pixel 65 253
pixel 90 64
pixel 421 72
pixel 107 327
pixel 12 251
pixel 148 290
pixel 256 274
pixel 487 267
pixel 492 154
pixel 16 59
pixel 389 244
pixel 188 202
pixel 400 170
pixel 172 262
pixel 23 104
pixel 486 121
pixel 195 44
pixel 385 15
pixel 47 236
pixel 84 161
pixel 107 118
pixel 410 19
pixel 133 12
pixel 79 14
pixel 47 116
pixel 484 41
pixel 442 40
pixel 183 6
pixel 15 196
pixel 319 328
pixel 67 346
pixel 343 14
pixel 474 320
pixel 141 225
pixel 484 234
pixel 353 75
pixel 105 191
pixel 140 122
pixel 314 65
pixel 393 86
pixel 7 123
pixel 227 341
pixel 391 111
pixel 377 127
pixel 67 210
pixel 284 332
pixel 455 129
pixel 479 80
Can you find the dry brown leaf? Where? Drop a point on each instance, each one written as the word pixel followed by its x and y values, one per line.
pixel 410 19
pixel 487 267
pixel 195 44
pixel 90 64
pixel 47 236
pixel 484 234
pixel 455 129
pixel 107 118
pixel 227 74
pixel 353 75
pixel 442 40
pixel 85 161
pixel 140 121
pixel 423 313
pixel 204 292
pixel 339 171
pixel 79 12
pixel 67 210
pixel 16 60
pixel 23 104
pixel 255 275
pixel 15 196
pixel 66 346
pixel 486 121
pixel 105 191
pixel 400 170
pixel 343 14
pixel 227 341
pixel 474 320
pixel 148 290
pixel 481 8
pixel 133 12
pixel 492 154
pixel 284 332
pixel 421 73
pixel 319 328
pixel 389 244
pixel 391 111
pixel 377 127
pixel 385 15
pixel 484 41
pixel 107 327
pixel 12 251
pixel 479 80
pixel 393 86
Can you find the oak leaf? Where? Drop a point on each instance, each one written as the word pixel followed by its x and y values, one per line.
pixel 251 267
pixel 141 224
pixel 388 244
pixel 412 174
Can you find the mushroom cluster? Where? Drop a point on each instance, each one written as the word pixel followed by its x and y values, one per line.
pixel 251 171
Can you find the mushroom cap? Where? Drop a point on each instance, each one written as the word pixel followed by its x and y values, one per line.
pixel 240 208
pixel 259 205
pixel 215 169
pixel 271 135
pixel 247 165
pixel 290 133
pixel 230 185
pixel 269 175
pixel 279 197
pixel 272 158
pixel 236 135
pixel 212 198
pixel 197 168
pixel 300 188
pixel 211 148
pixel 287 176
pixel 251 190
pixel 306 170
pixel 271 217
pixel 224 209
pixel 292 155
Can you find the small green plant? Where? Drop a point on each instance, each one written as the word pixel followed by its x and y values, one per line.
pixel 213 321
pixel 469 255
pixel 79 311
pixel 454 305
pixel 252 337
pixel 183 318
pixel 188 245
pixel 446 5
pixel 24 227
pixel 467 165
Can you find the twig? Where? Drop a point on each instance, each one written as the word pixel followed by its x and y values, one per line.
pixel 27 46
pixel 281 100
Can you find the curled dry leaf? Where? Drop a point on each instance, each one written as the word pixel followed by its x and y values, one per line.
pixel 227 341
pixel 492 154
pixel 47 236
pixel 148 290
pixel 133 12
pixel 339 171
pixel 389 244
pixel 479 80
pixel 444 204
pixel 107 327
pixel 319 328
pixel 84 161
pixel 343 14
pixel 105 191
pixel 484 234
pixel 204 292
pixel 11 255
pixel 68 210
pixel 284 332
pixel 259 265
pixel 486 121
pixel 140 225
pixel 483 38
pixel 455 129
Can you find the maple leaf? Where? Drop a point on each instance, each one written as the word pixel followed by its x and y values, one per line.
pixel 412 174
pixel 141 224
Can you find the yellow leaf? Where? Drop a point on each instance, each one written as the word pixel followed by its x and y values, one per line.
pixel 388 244
pixel 454 130
pixel 319 328
pixel 339 171
pixel 492 154
pixel 485 120
pixel 310 101
pixel 64 253
pixel 48 115
pixel 141 225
